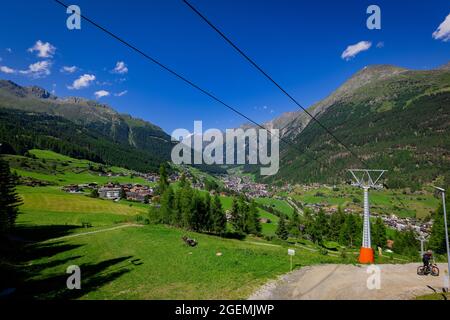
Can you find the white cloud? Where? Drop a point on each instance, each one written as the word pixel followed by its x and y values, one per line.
pixel 7 70
pixel 82 82
pixel 67 69
pixel 380 45
pixel 121 68
pixel 119 94
pixel 39 69
pixel 45 50
pixel 354 49
pixel 443 31
pixel 101 94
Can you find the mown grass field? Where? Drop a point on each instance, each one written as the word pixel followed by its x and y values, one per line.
pixel 277 204
pixel 51 206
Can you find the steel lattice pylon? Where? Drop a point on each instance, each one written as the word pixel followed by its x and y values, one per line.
pixel 364 178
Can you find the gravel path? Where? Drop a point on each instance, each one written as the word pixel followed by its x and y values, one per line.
pixel 349 282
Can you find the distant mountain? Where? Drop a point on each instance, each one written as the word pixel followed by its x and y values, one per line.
pixel 293 123
pixel 91 114
pixel 393 118
pixel 101 123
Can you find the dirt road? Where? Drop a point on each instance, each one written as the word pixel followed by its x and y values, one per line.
pixel 349 282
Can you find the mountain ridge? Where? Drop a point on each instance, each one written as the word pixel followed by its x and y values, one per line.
pixel 97 131
pixel 391 117
pixel 122 128
pixel 293 122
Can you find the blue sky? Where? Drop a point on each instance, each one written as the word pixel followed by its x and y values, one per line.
pixel 299 43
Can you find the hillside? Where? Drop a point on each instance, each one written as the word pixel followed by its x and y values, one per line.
pixel 394 118
pixel 31 117
pixel 118 249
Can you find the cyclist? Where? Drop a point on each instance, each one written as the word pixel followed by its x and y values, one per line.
pixel 427 257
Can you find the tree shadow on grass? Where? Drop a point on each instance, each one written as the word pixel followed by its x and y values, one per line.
pixel 22 277
pixel 93 276
pixel 27 233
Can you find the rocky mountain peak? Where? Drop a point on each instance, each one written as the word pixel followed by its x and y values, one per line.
pixel 39 92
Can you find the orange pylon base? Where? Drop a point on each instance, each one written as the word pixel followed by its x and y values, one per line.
pixel 366 255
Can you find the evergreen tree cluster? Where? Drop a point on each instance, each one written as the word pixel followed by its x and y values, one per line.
pixel 437 237
pixel 9 199
pixel 345 229
pixel 21 131
pixel 187 208
pixel 245 217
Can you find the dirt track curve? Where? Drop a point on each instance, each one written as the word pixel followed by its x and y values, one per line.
pixel 349 282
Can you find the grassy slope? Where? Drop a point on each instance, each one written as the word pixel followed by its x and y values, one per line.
pixel 277 204
pixel 62 170
pixel 147 262
pixel 167 269
pixel 164 268
pixel 51 206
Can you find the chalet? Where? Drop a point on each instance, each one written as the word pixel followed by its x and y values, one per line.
pixel 134 196
pixel 110 193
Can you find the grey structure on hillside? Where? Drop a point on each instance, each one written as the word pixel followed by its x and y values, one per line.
pixel 363 179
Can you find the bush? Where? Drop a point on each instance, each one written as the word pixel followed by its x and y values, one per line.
pixel 356 200
pixel 343 253
pixel 331 245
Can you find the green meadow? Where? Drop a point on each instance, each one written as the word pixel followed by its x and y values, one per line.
pixel 62 170
pixel 121 257
pixel 278 204
pixel 151 262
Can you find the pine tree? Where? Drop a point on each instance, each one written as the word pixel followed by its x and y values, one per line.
pixel 336 221
pixel 437 237
pixel 349 231
pixel 405 243
pixel 167 206
pixel 378 231
pixel 186 206
pixel 94 193
pixel 294 224
pixel 199 214
pixel 218 216
pixel 236 215
pixel 253 225
pixel 163 179
pixel 321 227
pixel 122 194
pixel 9 199
pixel 282 232
pixel 208 220
pixel 183 180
